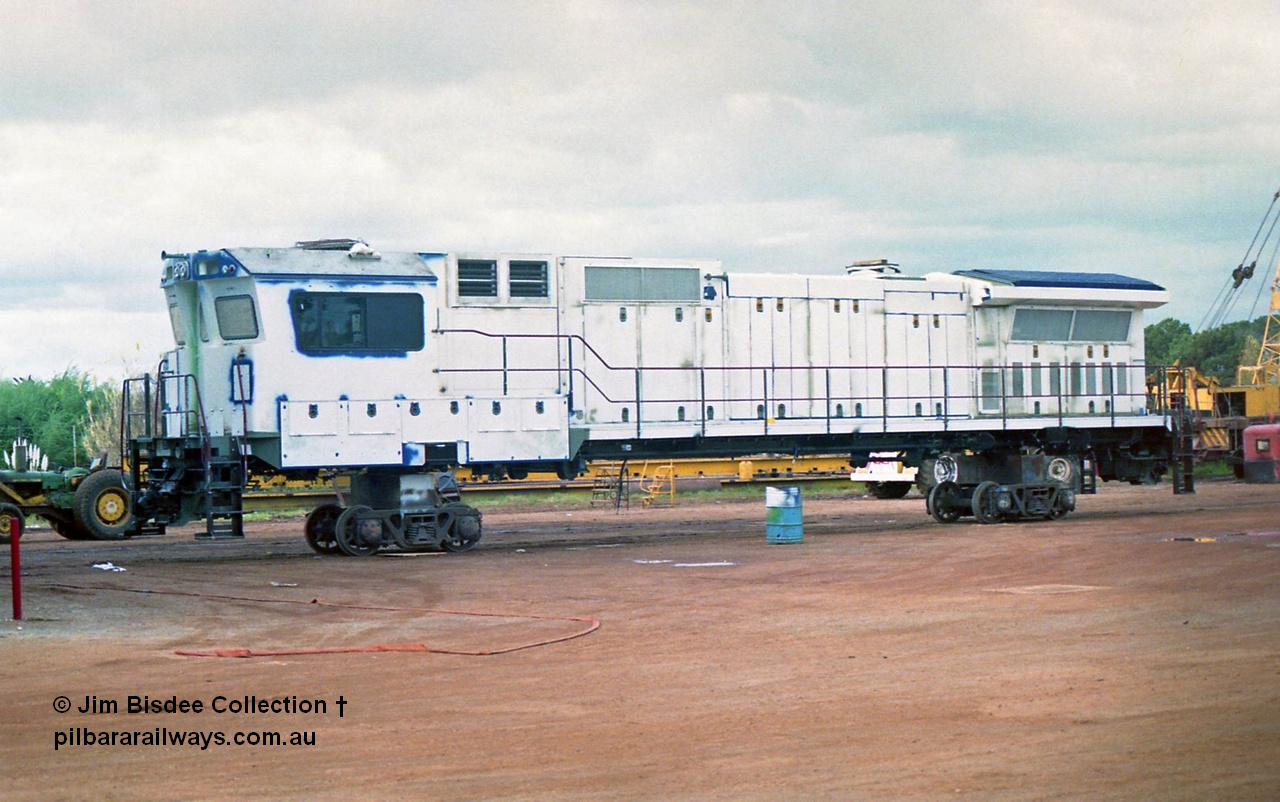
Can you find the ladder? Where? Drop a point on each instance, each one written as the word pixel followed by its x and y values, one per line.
pixel 1183 456
pixel 609 484
pixel 223 499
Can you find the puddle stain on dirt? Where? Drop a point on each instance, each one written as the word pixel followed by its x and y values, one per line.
pixel 1044 590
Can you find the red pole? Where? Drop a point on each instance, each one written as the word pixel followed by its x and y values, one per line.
pixel 15 560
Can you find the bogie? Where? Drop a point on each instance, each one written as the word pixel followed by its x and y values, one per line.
pixel 1001 487
pixel 361 531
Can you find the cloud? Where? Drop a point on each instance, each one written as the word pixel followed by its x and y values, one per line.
pixel 1138 137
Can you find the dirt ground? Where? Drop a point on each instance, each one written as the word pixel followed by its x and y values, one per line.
pixel 1128 651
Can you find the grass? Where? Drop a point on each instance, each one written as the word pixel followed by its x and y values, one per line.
pixel 276 515
pixel 1214 469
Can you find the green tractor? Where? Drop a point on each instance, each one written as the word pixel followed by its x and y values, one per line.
pixel 79 503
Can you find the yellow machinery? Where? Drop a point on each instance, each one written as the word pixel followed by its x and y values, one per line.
pixel 1257 390
pixel 1266 373
pixel 1215 433
pixel 1219 413
pixel 1256 393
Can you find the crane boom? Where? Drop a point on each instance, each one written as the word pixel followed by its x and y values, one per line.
pixel 1267 369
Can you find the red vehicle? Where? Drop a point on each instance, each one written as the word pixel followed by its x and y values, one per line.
pixel 1262 453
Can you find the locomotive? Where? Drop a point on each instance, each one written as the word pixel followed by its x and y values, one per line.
pixel 1011 391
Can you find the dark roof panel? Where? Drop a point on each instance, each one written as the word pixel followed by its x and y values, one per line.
pixel 1045 278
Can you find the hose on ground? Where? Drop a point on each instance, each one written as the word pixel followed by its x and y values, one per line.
pixel 591 622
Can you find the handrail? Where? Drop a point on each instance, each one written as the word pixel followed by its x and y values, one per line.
pixel 971 391
pixel 154 409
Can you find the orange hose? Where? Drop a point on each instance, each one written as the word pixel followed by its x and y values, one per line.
pixel 591 621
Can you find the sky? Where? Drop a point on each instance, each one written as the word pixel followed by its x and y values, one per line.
pixel 1133 137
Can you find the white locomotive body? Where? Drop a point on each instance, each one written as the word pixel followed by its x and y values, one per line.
pixel 330 356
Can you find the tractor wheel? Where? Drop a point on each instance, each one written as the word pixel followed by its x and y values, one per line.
pixel 67 528
pixel 8 514
pixel 102 507
pixel 888 490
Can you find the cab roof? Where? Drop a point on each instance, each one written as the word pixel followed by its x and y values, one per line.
pixel 1044 278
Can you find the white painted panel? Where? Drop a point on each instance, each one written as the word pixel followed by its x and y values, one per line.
pixel 328 439
pixel 373 417
pixel 606 359
pixel 787 363
pixel 712 356
pixel 668 352
pixel 517 432
pixel 307 418
pixel 745 330
pixel 437 421
pixel 907 361
pixel 868 333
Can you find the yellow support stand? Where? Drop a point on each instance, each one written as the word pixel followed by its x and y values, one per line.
pixel 661 483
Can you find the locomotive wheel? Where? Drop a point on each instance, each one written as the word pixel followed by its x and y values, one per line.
pixel 321 527
pixel 8 514
pixel 886 490
pixel 101 506
pixel 1059 506
pixel 941 503
pixel 462 532
pixel 347 532
pixel 984 503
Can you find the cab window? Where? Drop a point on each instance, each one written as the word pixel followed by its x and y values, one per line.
pixel 175 320
pixel 357 322
pixel 237 317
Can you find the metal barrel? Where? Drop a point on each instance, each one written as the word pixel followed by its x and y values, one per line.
pixel 784 519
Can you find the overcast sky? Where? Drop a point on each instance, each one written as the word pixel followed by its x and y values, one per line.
pixel 1132 137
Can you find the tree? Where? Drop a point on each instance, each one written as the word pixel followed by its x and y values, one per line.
pixel 1167 341
pixel 53 415
pixel 102 427
pixel 1216 352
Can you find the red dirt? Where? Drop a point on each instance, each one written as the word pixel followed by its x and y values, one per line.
pixel 1127 651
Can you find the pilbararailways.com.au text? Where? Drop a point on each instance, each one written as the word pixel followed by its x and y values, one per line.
pixel 93 736
pixel 163 736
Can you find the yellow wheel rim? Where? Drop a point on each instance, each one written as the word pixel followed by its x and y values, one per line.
pixel 111 507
